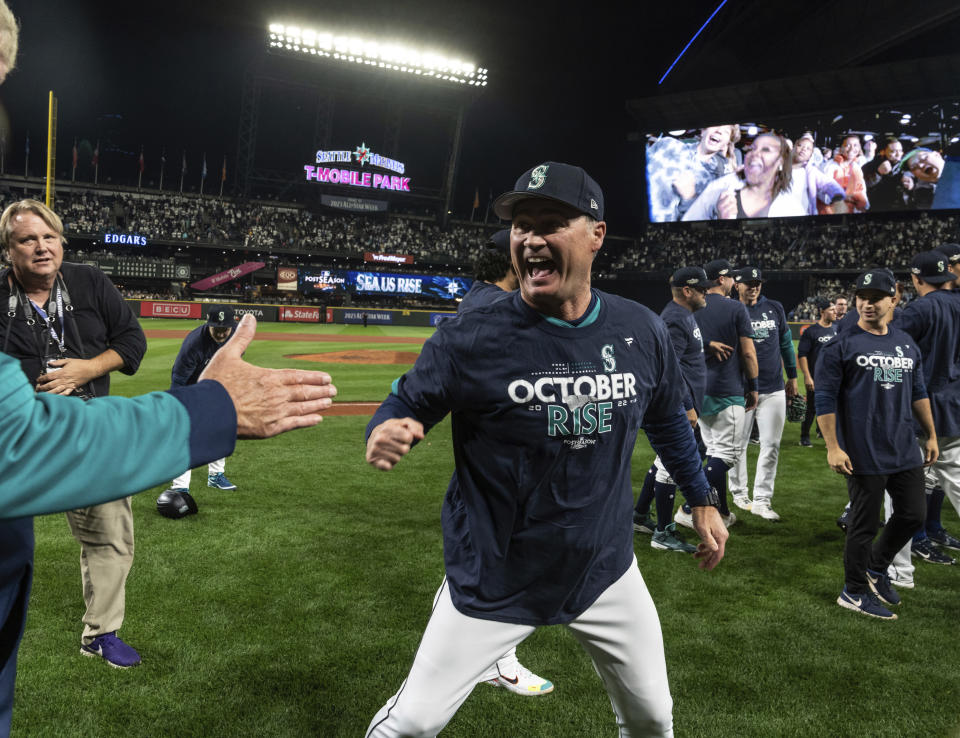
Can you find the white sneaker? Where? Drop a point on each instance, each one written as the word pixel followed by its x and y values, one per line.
pixel 519 679
pixel 742 500
pixel 763 509
pixel 729 520
pixel 684 518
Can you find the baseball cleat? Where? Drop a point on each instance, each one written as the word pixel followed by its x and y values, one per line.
pixel 668 540
pixel 644 523
pixel 843 520
pixel 865 603
pixel 517 678
pixel 220 481
pixel 942 538
pixel 763 509
pixel 928 552
pixel 880 585
pixel 682 517
pixel 112 650
pixel 742 500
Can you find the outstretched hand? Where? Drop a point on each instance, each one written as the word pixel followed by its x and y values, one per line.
pixel 713 536
pixel 268 401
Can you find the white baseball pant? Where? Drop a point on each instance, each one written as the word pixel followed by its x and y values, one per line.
pixel 620 632
pixel 214 467
pixel 901 568
pixel 723 433
pixel 946 469
pixel 771 415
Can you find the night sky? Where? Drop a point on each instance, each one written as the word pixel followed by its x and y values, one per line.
pixel 168 75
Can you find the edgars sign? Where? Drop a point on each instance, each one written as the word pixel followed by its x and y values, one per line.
pixel 360 157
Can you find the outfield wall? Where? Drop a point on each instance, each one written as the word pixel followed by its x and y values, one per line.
pixel 289 313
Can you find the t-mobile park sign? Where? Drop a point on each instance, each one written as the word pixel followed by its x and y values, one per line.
pixel 323 172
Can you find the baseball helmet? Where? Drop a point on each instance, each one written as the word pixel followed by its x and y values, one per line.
pixel 173 503
pixel 796 408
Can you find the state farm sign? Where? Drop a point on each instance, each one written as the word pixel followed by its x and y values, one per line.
pixel 300 314
pixel 150 309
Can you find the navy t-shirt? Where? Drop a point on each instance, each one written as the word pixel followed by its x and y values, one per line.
pixel 773 342
pixel 812 340
pixel 481 293
pixel 934 323
pixel 724 320
pixel 871 383
pixel 688 345
pixel 537 516
pixel 195 353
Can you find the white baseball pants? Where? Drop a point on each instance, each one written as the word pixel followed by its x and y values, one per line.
pixel 723 433
pixel 771 415
pixel 183 481
pixel 620 632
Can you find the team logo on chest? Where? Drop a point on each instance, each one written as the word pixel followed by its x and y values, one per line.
pixel 888 370
pixel 609 363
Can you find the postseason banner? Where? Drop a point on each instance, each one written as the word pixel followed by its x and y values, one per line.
pixel 383 283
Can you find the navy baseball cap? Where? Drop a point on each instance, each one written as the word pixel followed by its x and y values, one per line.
pixel 499 241
pixel 554 181
pixel 932 267
pixel 690 277
pixel 222 317
pixel 951 250
pixel 718 268
pixel 749 274
pixel 881 280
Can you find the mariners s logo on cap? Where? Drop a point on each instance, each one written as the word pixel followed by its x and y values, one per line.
pixel 538 177
pixel 867 278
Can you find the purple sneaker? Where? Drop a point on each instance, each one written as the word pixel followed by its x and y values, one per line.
pixel 112 650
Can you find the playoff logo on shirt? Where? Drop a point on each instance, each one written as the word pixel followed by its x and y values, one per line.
pixel 887 369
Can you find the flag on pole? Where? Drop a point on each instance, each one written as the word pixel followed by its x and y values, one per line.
pixel 163 165
pixel 96 163
pixel 203 172
pixel 140 177
pixel 476 203
pixel 183 170
pixel 26 161
pixel 73 174
pixel 223 174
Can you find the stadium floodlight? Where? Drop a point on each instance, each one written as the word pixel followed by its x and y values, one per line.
pixel 381 54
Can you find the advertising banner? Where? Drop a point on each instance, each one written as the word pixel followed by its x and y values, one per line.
pixel 435 286
pixel 150 309
pixel 354 204
pixel 287 279
pixel 374 317
pixel 228 276
pixel 299 314
pixel 388 258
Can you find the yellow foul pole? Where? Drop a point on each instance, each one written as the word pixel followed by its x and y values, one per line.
pixel 51 149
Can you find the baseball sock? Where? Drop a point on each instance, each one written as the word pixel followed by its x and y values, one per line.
pixel 665 494
pixel 646 493
pixel 934 506
pixel 716 472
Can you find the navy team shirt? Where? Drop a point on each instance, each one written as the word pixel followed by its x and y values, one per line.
pixel 688 345
pixel 934 323
pixel 724 320
pixel 195 353
pixel 812 340
pixel 537 519
pixel 871 383
pixel 773 342
pixel 481 293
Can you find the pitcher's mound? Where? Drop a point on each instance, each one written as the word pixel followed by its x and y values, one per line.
pixel 360 356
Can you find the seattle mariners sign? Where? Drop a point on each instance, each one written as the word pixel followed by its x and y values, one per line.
pixel 361 156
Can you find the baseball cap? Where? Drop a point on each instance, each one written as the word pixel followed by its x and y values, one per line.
pixel 554 181
pixel 718 268
pixel 690 277
pixel 878 279
pixel 499 241
pixel 951 250
pixel 749 274
pixel 932 267
pixel 222 317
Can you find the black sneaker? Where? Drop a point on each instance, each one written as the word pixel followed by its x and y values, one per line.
pixel 865 603
pixel 942 538
pixel 805 442
pixel 843 520
pixel 644 523
pixel 928 552
pixel 879 584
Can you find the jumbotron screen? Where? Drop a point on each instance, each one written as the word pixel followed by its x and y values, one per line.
pixel 312 281
pixel 868 161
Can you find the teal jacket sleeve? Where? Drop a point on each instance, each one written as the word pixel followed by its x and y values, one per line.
pixel 61 453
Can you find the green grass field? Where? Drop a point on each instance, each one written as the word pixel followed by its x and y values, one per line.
pixel 293 606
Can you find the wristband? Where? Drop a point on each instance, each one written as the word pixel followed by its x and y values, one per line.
pixel 753 384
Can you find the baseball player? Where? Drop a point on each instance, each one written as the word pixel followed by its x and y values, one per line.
pixel 495 280
pixel 547 390
pixel 869 384
pixel 774 346
pixel 689 286
pixel 195 353
pixel 808 349
pixel 731 357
